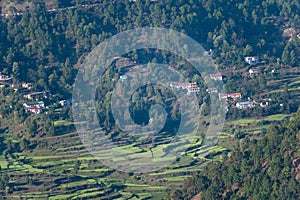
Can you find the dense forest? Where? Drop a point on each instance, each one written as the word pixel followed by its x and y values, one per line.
pixel 265 168
pixel 46 48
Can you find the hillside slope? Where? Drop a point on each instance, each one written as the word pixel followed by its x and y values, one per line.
pixel 265 168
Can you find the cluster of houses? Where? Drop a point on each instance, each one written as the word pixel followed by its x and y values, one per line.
pixel 243 104
pixel 35 105
pixel 236 96
pixel 252 60
pixel 192 88
pixel 222 96
pixel 252 104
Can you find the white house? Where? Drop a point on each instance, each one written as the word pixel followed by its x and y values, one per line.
pixel 234 96
pixel 211 90
pixel 123 78
pixel 190 87
pixel 3 86
pixel 27 85
pixel 64 103
pixel 206 53
pixel 251 60
pixel 193 88
pixel 254 70
pixel 216 77
pixel 34 107
pixel 265 102
pixel 36 95
pixel 245 104
pixel 4 77
pixel 182 86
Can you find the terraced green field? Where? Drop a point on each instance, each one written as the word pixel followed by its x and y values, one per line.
pixel 55 169
pixel 60 167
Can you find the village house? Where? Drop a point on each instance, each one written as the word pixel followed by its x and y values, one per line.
pixel 234 96
pixel 123 78
pixel 251 60
pixel 3 86
pixel 254 70
pixel 28 86
pixel 216 77
pixel 211 90
pixel 206 53
pixel 245 105
pixel 34 107
pixel 183 86
pixel 265 102
pixel 65 103
pixel 190 87
pixel 36 95
pixel 4 77
pixel 21 90
pixel 193 88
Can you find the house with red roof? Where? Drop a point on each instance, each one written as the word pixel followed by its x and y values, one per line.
pixel 190 87
pixel 34 107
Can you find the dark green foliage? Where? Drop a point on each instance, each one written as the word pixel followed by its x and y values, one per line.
pixel 46 48
pixel 258 169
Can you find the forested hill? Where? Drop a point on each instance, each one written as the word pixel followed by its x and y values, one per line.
pixel 265 168
pixel 41 42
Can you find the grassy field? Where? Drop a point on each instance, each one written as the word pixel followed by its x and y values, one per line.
pixel 52 165
pixel 245 122
pixel 93 180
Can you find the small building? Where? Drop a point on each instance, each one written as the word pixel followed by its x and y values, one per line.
pixel 123 78
pixel 207 53
pixel 193 88
pixel 216 77
pixel 36 95
pixel 34 107
pixel 183 86
pixel 4 77
pixel 265 102
pixel 211 90
pixel 64 103
pixel 254 70
pixel 251 60
pixel 3 85
pixel 28 86
pixel 245 105
pixel 35 110
pixel 234 96
pixel 21 90
pixel 190 87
